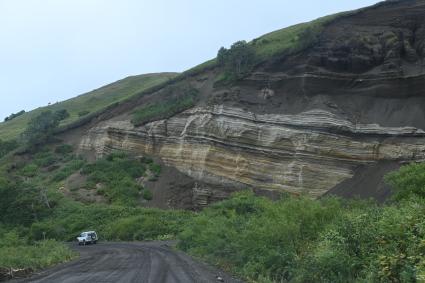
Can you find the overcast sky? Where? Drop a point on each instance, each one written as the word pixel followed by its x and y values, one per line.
pixel 51 50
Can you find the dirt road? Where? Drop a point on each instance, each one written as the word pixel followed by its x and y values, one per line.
pixel 150 262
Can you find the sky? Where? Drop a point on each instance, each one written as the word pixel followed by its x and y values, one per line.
pixel 52 50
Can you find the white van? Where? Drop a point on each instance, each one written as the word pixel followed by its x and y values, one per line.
pixel 89 237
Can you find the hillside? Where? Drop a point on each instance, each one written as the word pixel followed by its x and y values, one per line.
pixel 88 103
pixel 335 101
pixel 297 157
pixel 326 107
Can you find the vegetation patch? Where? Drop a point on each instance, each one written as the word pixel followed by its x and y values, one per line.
pixel 298 239
pixel 237 61
pixel 41 128
pixel 408 182
pixel 18 253
pixel 7 146
pixel 81 107
pixel 14 115
pixel 117 173
pixel 170 106
pixel 292 39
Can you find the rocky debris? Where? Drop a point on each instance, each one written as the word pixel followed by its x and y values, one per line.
pixel 201 196
pixel 266 93
pixel 10 273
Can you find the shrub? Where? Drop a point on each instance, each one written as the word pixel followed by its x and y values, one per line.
pixel 147 194
pixel 408 182
pixel 69 169
pixel 129 223
pixel 117 173
pixel 41 128
pixel 169 107
pixel 64 149
pixel 45 158
pixel 255 236
pixel 7 146
pixel 83 113
pixel 155 168
pixel 30 170
pixel 149 225
pixel 13 116
pixel 37 256
pixel 304 240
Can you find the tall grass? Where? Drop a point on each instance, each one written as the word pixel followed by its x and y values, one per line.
pixel 166 108
pixel 16 252
pixel 91 102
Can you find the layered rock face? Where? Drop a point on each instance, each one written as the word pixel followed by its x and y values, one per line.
pixel 309 152
pixel 351 107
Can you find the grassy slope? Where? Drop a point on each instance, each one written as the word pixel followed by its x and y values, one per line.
pixel 282 42
pixel 92 101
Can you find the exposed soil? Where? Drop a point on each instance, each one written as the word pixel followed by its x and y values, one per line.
pixel 367 182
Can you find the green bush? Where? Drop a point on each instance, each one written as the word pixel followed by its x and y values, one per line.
pixel 45 158
pixel 169 107
pixel 304 240
pixel 64 149
pixel 41 128
pixel 7 146
pixel 129 223
pixel 408 182
pixel 83 113
pixel 155 168
pixel 144 227
pixel 14 115
pixel 147 194
pixel 117 173
pixel 36 256
pixel 30 170
pixel 69 169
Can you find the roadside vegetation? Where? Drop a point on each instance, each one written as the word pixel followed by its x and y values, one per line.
pixel 17 252
pixel 298 239
pixel 40 208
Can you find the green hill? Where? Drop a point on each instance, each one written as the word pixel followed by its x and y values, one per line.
pixel 278 43
pixel 90 102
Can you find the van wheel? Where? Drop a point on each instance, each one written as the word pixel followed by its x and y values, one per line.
pixel 95 242
pixel 84 242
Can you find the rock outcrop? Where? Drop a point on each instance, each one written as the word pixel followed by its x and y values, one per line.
pixel 304 123
pixel 309 152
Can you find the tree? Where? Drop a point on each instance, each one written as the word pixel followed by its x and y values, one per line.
pixel 13 116
pixel 237 61
pixel 41 128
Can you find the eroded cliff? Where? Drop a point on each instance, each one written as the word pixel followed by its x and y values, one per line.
pixel 303 123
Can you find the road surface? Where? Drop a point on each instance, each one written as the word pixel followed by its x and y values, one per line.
pixel 150 262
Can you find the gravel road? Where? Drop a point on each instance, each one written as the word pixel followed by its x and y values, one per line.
pixel 150 262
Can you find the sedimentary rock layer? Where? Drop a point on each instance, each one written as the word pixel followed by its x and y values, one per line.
pixel 309 152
